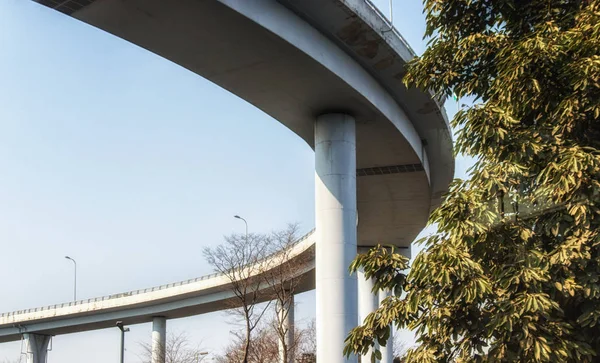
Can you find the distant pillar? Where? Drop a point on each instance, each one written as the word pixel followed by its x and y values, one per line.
pixel 286 318
pixel 159 339
pixel 367 300
pixel 335 214
pixel 36 347
pixel 387 352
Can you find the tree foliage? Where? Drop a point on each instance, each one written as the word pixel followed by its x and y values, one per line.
pixel 513 272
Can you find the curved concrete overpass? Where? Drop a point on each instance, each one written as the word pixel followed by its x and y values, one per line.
pixel 180 299
pixel 329 70
pixel 295 60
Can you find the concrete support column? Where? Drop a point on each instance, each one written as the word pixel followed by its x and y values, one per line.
pixel 36 347
pixel 367 300
pixel 286 319
pixel 335 202
pixel 387 352
pixel 159 339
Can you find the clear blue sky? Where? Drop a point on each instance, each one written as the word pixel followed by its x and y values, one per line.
pixel 131 165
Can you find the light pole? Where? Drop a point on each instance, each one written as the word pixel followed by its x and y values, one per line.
pixel 75 280
pixel 198 355
pixel 238 217
pixel 123 331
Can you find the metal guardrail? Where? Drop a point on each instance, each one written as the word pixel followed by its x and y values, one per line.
pixel 390 24
pixel 439 102
pixel 130 293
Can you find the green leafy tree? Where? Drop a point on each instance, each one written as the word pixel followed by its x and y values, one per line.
pixel 513 272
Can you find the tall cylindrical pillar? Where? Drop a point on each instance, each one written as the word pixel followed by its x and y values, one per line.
pixel 387 352
pixel 159 339
pixel 335 203
pixel 36 347
pixel 286 319
pixel 122 353
pixel 368 301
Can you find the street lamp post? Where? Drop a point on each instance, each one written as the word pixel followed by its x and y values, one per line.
pixel 75 279
pixel 238 217
pixel 123 331
pixel 201 354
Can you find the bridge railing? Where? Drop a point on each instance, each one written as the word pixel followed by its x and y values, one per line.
pixel 389 23
pixel 130 293
pixel 439 101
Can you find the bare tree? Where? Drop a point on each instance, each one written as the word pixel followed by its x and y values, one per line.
pixel 241 259
pixel 307 343
pixel 178 349
pixel 264 348
pixel 282 276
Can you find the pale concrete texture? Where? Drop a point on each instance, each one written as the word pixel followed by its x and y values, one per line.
pixel 159 339
pixel 367 300
pixel 36 347
pixel 335 214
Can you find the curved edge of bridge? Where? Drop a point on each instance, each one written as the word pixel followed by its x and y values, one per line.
pixel 370 30
pixel 179 299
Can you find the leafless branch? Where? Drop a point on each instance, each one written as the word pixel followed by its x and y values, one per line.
pixel 178 349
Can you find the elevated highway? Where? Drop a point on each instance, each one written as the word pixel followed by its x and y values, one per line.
pixel 191 297
pixel 329 70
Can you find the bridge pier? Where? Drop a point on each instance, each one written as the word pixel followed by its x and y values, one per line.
pixel 159 339
pixel 336 216
pixel 387 352
pixel 286 319
pixel 36 347
pixel 367 300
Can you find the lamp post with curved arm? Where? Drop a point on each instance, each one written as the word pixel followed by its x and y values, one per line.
pixel 238 217
pixel 75 278
pixel 123 330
